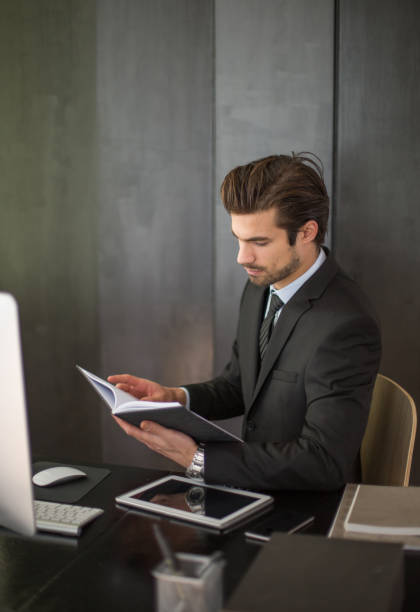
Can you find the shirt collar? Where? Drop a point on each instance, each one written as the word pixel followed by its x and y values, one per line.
pixel 287 292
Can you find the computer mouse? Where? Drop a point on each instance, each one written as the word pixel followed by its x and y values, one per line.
pixel 57 475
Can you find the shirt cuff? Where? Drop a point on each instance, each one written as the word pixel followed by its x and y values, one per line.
pixel 187 403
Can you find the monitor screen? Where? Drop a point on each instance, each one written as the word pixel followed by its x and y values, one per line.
pixel 16 498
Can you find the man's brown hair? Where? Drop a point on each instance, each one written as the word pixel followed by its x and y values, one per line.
pixel 293 184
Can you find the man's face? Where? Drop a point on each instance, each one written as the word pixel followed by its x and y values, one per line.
pixel 265 252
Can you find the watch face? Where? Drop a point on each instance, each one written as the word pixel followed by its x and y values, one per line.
pixel 195 495
pixel 195 498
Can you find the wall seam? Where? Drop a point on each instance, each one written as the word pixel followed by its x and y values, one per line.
pixel 335 120
pixel 213 187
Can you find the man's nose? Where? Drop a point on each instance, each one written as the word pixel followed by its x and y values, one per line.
pixel 245 255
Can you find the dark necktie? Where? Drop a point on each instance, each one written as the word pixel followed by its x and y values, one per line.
pixel 267 324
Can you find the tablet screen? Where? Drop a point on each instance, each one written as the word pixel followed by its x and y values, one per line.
pixel 190 497
pixel 181 497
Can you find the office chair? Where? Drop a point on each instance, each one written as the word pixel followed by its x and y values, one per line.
pixel 387 447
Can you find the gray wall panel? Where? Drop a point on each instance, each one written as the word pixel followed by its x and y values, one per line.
pixel 155 79
pixel 274 94
pixel 48 212
pixel 378 157
pixel 120 122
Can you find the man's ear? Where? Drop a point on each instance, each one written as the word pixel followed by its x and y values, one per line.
pixel 309 231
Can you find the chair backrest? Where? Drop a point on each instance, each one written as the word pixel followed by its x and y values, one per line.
pixel 387 447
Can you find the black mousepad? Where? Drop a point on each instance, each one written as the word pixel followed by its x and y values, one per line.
pixel 71 491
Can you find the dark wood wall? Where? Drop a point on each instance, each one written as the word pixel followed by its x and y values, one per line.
pixel 120 120
pixel 48 212
pixel 155 125
pixel 273 93
pixel 377 204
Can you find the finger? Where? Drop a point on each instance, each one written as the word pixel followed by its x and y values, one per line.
pixel 125 378
pixel 168 442
pixel 127 388
pixel 135 432
pixel 123 386
pixel 153 428
pixel 155 397
pixel 145 428
pixel 130 430
pixel 123 424
pixel 114 378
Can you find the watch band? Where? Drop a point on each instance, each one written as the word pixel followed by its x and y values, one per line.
pixel 196 467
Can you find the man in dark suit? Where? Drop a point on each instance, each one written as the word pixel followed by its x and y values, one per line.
pixel 306 353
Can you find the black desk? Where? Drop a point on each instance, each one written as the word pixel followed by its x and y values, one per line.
pixel 109 566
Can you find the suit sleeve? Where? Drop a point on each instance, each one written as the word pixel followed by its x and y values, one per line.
pixel 338 381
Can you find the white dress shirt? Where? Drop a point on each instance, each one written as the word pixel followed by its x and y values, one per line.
pixel 286 293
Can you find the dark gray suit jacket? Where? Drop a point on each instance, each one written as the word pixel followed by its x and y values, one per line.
pixel 306 406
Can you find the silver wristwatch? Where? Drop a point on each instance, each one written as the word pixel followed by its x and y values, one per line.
pixel 195 499
pixel 196 467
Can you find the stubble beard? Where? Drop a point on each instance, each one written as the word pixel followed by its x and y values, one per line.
pixel 276 276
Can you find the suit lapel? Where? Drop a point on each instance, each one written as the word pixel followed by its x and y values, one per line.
pixel 289 317
pixel 251 317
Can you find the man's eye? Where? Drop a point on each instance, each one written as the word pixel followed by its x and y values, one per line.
pixel 261 244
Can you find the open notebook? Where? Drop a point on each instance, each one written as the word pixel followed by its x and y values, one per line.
pixel 18 511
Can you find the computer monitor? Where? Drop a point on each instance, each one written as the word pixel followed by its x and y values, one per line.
pixel 16 495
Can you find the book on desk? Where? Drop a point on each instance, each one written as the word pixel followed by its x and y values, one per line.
pixel 168 414
pixel 379 513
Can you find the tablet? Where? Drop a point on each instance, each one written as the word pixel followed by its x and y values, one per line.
pixel 194 501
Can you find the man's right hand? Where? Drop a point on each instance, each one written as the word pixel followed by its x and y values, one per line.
pixel 147 390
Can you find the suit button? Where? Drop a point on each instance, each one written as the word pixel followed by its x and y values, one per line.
pixel 250 426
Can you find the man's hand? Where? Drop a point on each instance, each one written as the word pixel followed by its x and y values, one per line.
pixel 167 442
pixel 147 390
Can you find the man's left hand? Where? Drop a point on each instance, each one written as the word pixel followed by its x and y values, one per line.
pixel 167 442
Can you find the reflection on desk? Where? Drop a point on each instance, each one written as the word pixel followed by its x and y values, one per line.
pixel 296 573
pixel 110 568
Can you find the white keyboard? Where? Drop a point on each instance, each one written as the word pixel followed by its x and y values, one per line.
pixel 66 519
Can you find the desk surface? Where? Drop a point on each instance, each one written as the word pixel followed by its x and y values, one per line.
pixel 109 566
